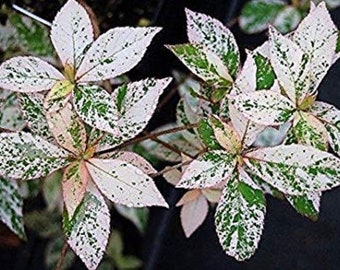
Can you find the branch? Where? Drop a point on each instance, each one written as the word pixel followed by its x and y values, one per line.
pixel 146 137
pixel 62 256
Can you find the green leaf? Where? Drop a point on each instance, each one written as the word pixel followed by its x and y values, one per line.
pixel 256 15
pixel 207 135
pixel 11 204
pixel 307 205
pixel 265 75
pixel 239 218
pixel 52 254
pixel 121 96
pixel 287 19
pixel 138 216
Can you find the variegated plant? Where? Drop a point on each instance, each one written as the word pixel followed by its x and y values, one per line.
pixel 83 121
pixel 257 15
pixel 270 89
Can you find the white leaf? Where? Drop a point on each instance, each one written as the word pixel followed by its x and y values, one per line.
pixel 28 74
pixel 212 34
pixel 239 218
pixel 264 107
pixel 11 205
pixel 291 66
pixel 193 214
pixel 208 170
pixel 124 183
pixel 132 158
pixel 23 156
pixel 295 169
pixel 96 107
pixel 115 52
pixel 88 231
pixel 317 36
pixel 71 33
pixel 68 130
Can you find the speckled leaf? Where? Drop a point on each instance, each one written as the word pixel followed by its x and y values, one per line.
pixel 96 107
pixel 132 158
pixel 264 107
pixel 265 75
pixel 307 205
pixel 24 156
pixel 212 34
pixel 208 170
pixel 317 36
pixel 291 65
pixel 115 52
pixel 295 169
pixel 202 62
pixel 33 111
pixel 88 231
pixel 329 115
pixel 256 15
pixel 11 117
pixel 193 214
pixel 239 218
pixel 28 74
pixel 68 129
pixel 287 19
pixel 206 134
pixel 71 33
pixel 124 183
pixel 308 130
pixel 11 205
pixel 75 180
pixel 138 105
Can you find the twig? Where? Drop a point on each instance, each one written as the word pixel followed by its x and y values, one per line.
pixel 149 136
pixel 62 256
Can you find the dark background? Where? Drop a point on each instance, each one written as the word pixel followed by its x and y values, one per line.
pixel 289 241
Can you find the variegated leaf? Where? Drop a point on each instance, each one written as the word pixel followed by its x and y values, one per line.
pixel 68 129
pixel 264 107
pixel 307 205
pixel 88 231
pixel 329 115
pixel 212 34
pixel 206 134
pixel 256 15
pixel 75 180
pixel 28 74
pixel 11 117
pixel 317 36
pixel 137 105
pixel 208 170
pixel 287 19
pixel 291 66
pixel 193 214
pixel 132 158
pixel 96 108
pixel 202 62
pixel 24 156
pixel 33 111
pixel 115 52
pixel 295 169
pixel 11 205
pixel 265 187
pixel 239 218
pixel 308 130
pixel 71 33
pixel 124 183
pixel 226 136
pixel 265 75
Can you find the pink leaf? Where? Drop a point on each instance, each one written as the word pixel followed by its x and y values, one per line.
pixel 193 214
pixel 189 196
